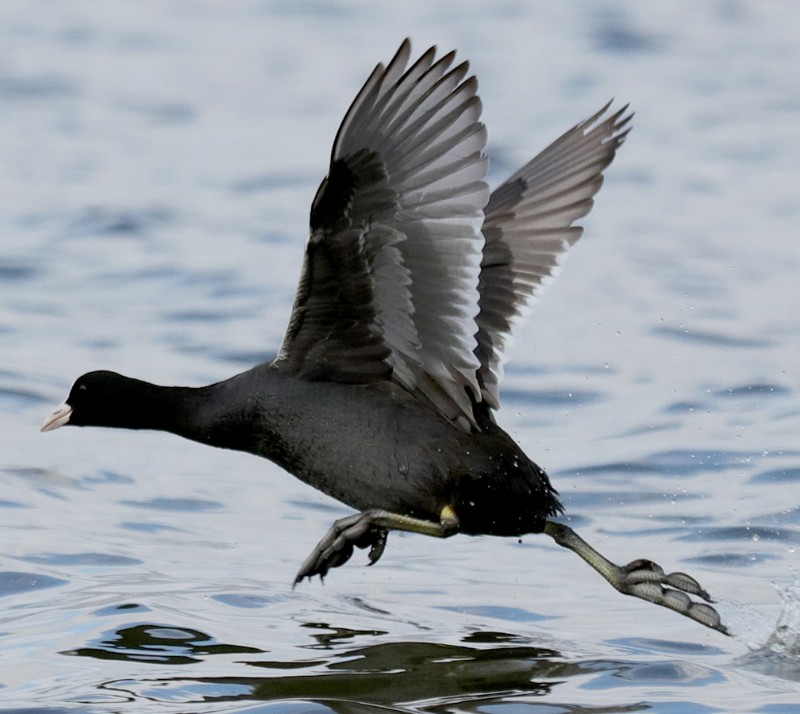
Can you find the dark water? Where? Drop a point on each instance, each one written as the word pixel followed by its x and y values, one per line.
pixel 157 163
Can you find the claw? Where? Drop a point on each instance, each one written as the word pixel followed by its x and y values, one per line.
pixel 336 547
pixel 378 546
pixel 368 529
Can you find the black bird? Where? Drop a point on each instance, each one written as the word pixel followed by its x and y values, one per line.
pixel 384 390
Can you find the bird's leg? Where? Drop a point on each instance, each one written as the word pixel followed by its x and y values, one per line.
pixel 369 529
pixel 643 579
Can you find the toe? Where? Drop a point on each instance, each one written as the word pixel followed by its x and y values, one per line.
pixel 687 584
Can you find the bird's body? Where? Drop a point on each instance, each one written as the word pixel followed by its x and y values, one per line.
pixel 384 390
pixel 371 446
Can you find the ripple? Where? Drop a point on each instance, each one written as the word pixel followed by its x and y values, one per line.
pixel 732 560
pixel 167 113
pixel 615 33
pixel 684 407
pixel 674 647
pixel 615 674
pixel 107 477
pixel 708 338
pixel 271 181
pixel 80 559
pixel 246 358
pixel 103 220
pixel 151 528
pixel 744 533
pixel 588 499
pixel 21 398
pixel 17 272
pixel 181 505
pixel 754 390
pixel 244 601
pixel 13 583
pixel 676 462
pixel 36 86
pixel 789 517
pixel 551 397
pixel 512 614
pixel 788 475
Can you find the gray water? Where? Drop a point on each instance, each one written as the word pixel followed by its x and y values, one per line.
pixel 157 161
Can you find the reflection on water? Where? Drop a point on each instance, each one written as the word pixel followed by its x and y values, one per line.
pixel 487 668
pixel 157 644
pixel 339 667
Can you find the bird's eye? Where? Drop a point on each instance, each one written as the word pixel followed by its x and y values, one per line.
pixel 82 387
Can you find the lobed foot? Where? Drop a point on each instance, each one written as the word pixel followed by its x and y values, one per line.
pixel 336 548
pixel 647 580
pixel 644 579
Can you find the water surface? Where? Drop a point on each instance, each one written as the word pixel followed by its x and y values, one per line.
pixel 158 164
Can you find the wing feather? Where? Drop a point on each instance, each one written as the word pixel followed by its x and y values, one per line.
pixel 529 229
pixel 389 288
pixel 412 272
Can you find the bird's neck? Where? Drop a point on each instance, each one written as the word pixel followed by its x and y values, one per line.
pixel 196 413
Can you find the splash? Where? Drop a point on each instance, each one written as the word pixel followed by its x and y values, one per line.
pixel 779 656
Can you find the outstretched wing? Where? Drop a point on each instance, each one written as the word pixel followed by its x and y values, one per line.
pixel 529 227
pixel 389 287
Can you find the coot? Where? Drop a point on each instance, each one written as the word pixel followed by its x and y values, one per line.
pixel 384 390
